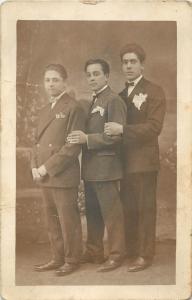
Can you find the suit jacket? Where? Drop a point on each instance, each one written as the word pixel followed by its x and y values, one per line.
pixel 51 149
pixel 145 115
pixel 101 156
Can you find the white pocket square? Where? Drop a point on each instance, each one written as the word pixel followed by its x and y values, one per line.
pixel 98 109
pixel 60 115
pixel 138 100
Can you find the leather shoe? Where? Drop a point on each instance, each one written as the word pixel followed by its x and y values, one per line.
pixel 66 269
pixel 87 258
pixel 51 265
pixel 139 264
pixel 109 265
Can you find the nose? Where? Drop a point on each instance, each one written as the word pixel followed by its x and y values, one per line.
pixel 128 65
pixel 91 78
pixel 51 84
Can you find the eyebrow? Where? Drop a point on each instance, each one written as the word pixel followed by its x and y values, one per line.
pixel 131 59
pixel 51 78
pixel 96 71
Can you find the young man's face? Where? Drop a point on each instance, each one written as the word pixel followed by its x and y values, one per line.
pixel 54 83
pixel 131 66
pixel 96 77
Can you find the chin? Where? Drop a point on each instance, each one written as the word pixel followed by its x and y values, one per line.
pixel 130 78
pixel 54 94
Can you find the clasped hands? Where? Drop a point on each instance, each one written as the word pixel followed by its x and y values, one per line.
pixel 79 137
pixel 39 173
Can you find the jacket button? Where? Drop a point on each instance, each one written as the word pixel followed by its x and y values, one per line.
pixel 50 145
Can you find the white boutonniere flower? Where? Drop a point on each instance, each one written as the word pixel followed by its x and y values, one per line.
pixel 138 100
pixel 98 109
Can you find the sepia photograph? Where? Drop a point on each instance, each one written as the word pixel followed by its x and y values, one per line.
pixel 96 58
pixel 98 142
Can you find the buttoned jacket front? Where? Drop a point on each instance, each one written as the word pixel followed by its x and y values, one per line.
pixel 101 155
pixel 52 150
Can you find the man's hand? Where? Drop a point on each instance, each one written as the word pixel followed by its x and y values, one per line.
pixel 112 128
pixel 77 137
pixel 36 175
pixel 42 171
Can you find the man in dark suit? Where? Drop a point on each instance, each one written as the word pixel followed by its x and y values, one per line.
pixel 145 113
pixel 102 170
pixel 55 166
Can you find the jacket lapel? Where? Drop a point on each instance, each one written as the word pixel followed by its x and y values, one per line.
pixel 50 114
pixel 136 90
pixel 99 101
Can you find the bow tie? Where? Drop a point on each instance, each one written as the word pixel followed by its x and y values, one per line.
pixel 128 84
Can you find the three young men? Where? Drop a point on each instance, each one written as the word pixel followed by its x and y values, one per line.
pixel 134 119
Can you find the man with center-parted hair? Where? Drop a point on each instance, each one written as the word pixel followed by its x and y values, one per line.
pixel 55 166
pixel 102 170
pixel 145 114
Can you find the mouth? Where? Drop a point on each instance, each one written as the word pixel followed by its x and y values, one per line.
pixel 51 90
pixel 93 84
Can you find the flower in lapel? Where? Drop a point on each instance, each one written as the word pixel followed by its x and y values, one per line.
pixel 138 100
pixel 98 109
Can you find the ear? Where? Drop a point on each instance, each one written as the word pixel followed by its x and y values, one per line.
pixel 107 77
pixel 65 82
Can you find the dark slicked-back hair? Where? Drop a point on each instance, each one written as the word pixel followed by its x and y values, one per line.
pixel 104 65
pixel 133 48
pixel 58 68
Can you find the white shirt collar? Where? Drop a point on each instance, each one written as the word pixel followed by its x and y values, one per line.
pixel 55 99
pixel 136 80
pixel 101 90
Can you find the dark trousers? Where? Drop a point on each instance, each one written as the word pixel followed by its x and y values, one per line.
pixel 63 223
pixel 103 208
pixel 138 195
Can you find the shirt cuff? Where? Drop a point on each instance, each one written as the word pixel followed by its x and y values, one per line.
pixel 87 139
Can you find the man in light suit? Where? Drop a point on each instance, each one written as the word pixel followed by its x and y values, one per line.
pixel 55 167
pixel 145 114
pixel 102 170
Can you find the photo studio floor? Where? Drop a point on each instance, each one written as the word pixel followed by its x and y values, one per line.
pixel 162 272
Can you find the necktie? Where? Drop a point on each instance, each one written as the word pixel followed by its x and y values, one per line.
pixel 94 98
pixel 52 100
pixel 128 84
